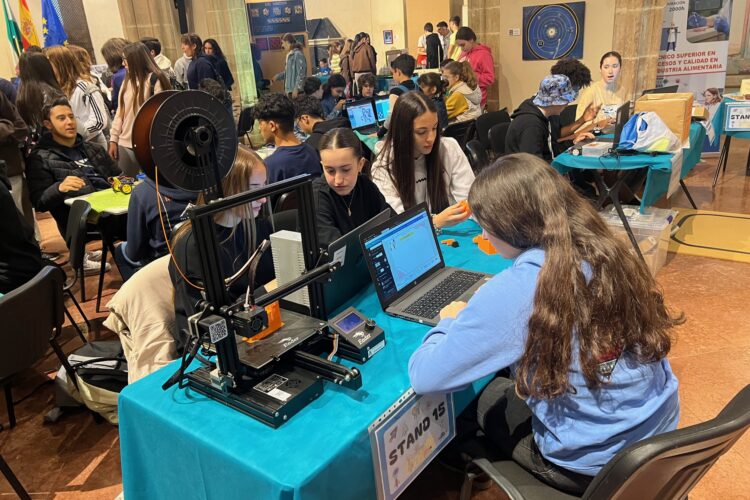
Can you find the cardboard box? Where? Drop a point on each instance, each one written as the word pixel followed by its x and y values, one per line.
pixel 674 109
pixel 700 112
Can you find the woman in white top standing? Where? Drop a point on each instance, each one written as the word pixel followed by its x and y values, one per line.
pixel 142 80
pixel 85 97
pixel 607 92
pixel 416 165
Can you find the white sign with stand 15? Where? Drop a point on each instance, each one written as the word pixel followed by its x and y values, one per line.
pixel 407 437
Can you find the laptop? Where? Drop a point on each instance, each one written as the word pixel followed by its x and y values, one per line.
pixel 408 271
pixel 623 115
pixel 353 275
pixel 671 89
pixel 362 116
pixel 382 107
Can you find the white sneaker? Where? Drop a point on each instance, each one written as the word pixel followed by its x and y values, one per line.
pixel 92 267
pixel 95 255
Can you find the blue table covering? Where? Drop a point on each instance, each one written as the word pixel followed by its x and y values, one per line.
pixel 718 121
pixel 659 166
pixel 180 444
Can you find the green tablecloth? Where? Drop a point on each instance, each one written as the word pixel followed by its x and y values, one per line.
pixel 108 200
pixel 718 122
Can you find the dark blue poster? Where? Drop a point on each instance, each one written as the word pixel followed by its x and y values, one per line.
pixel 553 31
pixel 276 18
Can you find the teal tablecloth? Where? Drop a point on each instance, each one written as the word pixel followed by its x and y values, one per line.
pixel 719 118
pixel 180 444
pixel 659 166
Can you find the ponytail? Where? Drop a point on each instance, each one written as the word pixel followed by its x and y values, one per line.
pixel 464 72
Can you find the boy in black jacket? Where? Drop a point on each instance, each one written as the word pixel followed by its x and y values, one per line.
pixel 63 165
pixel 529 132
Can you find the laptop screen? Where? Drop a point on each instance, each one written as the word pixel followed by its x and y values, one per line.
pixel 383 107
pixel 361 114
pixel 402 253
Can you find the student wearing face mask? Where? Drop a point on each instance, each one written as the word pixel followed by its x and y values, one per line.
pixel 416 165
pixel 238 232
pixel 608 93
pixel 344 197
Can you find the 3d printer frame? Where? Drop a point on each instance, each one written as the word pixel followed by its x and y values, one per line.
pixel 236 379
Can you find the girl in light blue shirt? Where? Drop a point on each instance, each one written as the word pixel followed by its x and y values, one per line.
pixel 577 319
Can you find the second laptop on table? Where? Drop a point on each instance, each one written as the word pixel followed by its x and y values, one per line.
pixel 408 270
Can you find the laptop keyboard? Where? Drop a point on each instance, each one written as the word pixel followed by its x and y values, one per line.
pixel 445 292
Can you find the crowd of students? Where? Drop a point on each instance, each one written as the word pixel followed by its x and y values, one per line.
pixel 588 370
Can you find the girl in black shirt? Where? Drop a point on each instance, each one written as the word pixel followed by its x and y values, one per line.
pixel 344 197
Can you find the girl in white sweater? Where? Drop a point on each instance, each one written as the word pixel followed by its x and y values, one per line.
pixel 86 101
pixel 416 165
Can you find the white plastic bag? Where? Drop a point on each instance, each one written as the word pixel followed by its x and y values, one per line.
pixel 647 133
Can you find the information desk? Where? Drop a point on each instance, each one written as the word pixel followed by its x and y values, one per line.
pixel 179 444
pixel 659 166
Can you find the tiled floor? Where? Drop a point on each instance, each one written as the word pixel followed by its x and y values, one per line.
pixel 78 458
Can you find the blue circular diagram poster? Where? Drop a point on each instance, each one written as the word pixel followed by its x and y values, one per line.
pixel 553 31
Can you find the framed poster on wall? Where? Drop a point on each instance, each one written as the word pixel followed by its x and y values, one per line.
pixel 276 18
pixel 553 31
pixel 388 37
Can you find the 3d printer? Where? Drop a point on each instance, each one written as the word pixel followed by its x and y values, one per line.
pixel 191 137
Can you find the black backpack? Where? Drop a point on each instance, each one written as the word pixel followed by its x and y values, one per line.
pixel 172 81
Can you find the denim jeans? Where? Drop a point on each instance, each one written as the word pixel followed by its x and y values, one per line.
pixel 506 421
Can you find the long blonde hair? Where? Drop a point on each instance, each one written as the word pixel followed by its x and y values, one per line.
pixel 68 70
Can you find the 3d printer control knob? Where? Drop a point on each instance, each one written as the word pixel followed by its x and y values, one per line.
pixel 369 324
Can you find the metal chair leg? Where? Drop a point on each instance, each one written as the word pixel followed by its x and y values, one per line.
pixel 9 405
pixel 75 325
pixel 723 160
pixel 13 480
pixel 78 306
pixel 687 193
pixel 82 277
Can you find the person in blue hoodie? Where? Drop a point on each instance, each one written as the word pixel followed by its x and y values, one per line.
pixel 146 227
pixel 577 319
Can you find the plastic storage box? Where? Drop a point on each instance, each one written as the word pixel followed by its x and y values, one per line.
pixel 651 229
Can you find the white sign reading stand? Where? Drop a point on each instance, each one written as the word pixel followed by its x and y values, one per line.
pixel 737 117
pixel 407 437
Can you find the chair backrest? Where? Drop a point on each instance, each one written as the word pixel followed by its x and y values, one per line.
pixel 29 315
pixel 487 121
pixel 286 201
pixel 246 121
pixel 286 220
pixel 497 138
pixel 568 115
pixel 75 234
pixel 463 132
pixel 669 465
pixel 477 155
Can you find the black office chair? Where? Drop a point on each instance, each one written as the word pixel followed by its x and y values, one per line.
pixel 463 132
pixel 667 466
pixel 477 154
pixel 246 122
pixel 32 316
pixel 75 239
pixel 568 115
pixel 286 220
pixel 486 122
pixel 497 138
pixel 286 201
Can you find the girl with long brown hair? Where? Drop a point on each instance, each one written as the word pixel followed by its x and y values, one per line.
pixel 418 165
pixel 86 100
pixel 143 79
pixel 237 232
pixel 578 320
pixel 84 58
pixel 38 85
